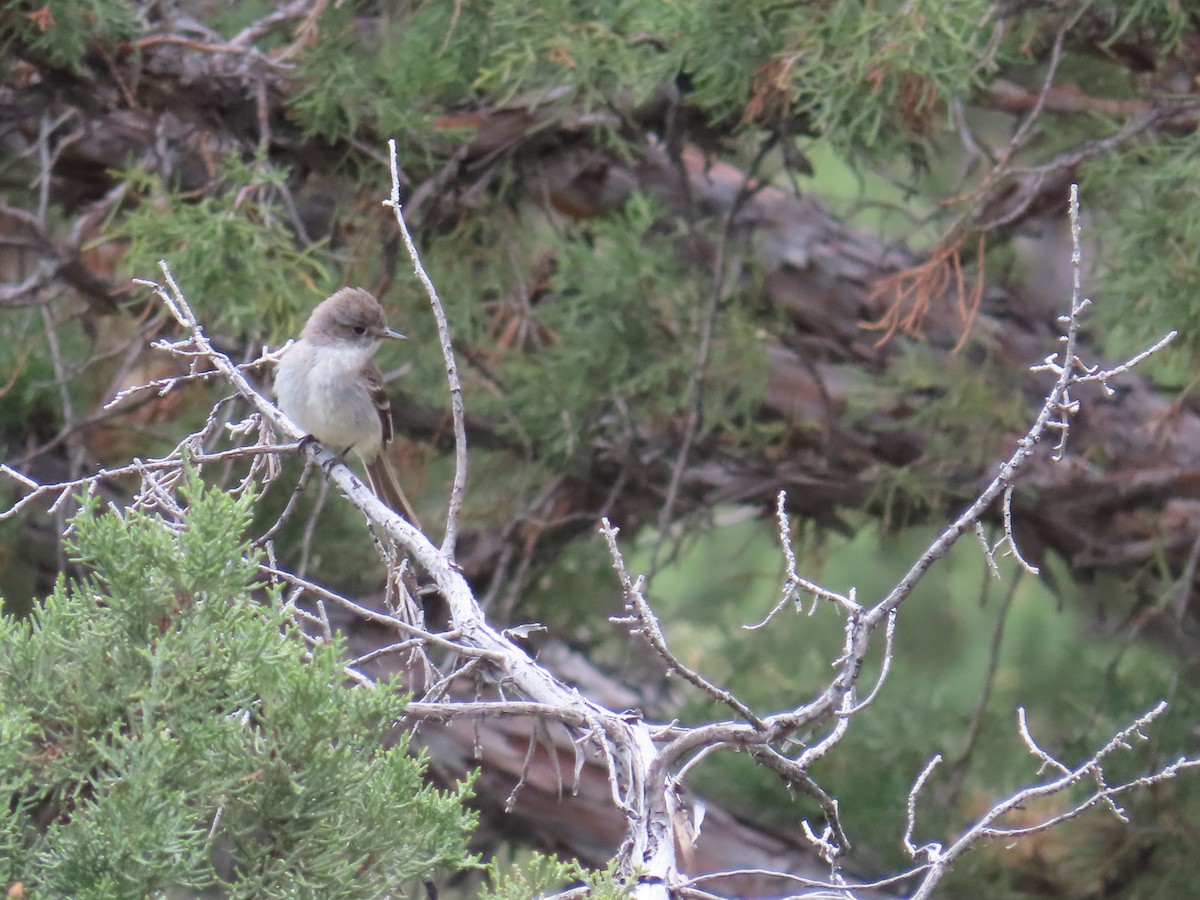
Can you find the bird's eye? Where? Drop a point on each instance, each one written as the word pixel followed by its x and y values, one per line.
pixel 360 329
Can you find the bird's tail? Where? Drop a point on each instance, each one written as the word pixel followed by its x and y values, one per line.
pixel 382 479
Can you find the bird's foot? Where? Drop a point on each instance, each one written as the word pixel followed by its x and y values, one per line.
pixel 329 462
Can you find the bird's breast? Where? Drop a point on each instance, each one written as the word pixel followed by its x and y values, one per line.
pixel 325 394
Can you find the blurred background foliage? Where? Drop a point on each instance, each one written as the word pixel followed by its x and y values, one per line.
pixel 579 325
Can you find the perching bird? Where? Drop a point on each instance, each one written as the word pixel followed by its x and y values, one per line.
pixel 328 384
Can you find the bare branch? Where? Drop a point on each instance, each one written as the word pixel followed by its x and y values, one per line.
pixel 987 824
pixel 646 624
pixel 459 486
pixel 1054 415
pixel 885 668
pixel 793 584
pixel 931 851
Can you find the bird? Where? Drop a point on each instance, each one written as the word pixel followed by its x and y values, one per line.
pixel 328 384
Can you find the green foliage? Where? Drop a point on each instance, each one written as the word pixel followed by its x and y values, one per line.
pixel 29 368
pixel 616 322
pixel 1165 19
pixel 18 732
pixel 31 395
pixel 760 61
pixel 335 90
pixel 610 331
pixel 954 402
pixel 865 75
pixel 397 83
pixel 63 30
pixel 233 249
pixel 1149 240
pixel 968 414
pixel 168 731
pixel 540 875
pixel 230 18
pixel 430 56
pixel 597 49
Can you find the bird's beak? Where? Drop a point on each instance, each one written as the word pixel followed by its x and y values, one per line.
pixel 394 335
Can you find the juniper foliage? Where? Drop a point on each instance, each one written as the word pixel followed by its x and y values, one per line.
pixel 165 728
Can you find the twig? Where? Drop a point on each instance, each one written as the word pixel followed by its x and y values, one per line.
pixel 1054 415
pixel 795 776
pixel 793 584
pixel 459 486
pixel 986 826
pixel 262 27
pixel 63 489
pixel 885 667
pixel 958 768
pixel 448 640
pixel 646 624
pixel 932 850
pixel 310 526
pixel 839 889
pixel 263 539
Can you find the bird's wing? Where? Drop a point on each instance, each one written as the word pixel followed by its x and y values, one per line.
pixel 382 404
